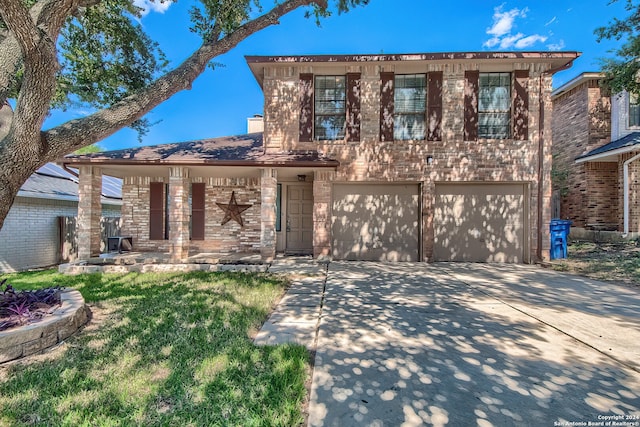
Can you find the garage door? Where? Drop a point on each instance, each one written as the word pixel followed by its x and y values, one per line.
pixel 480 222
pixel 376 222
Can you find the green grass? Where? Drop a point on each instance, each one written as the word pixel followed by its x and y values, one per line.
pixel 162 349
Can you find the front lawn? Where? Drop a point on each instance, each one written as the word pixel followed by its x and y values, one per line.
pixel 613 262
pixel 162 349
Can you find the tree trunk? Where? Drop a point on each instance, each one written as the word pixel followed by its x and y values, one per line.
pixel 24 148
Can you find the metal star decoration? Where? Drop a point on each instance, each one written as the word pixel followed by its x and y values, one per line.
pixel 232 210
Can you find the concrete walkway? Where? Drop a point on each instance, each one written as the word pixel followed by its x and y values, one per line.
pixel 297 316
pixel 470 344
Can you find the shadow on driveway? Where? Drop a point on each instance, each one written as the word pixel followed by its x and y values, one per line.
pixel 416 344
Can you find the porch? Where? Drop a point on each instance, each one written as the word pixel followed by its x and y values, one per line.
pixel 145 262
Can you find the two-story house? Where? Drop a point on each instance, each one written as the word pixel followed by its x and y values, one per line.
pixel 596 154
pixel 434 157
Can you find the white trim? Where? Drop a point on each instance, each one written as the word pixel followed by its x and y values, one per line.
pixel 625 177
pixel 617 151
pixel 576 81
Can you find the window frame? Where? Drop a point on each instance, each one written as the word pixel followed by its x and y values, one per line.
pixel 339 114
pixel 416 113
pixel 633 101
pixel 506 112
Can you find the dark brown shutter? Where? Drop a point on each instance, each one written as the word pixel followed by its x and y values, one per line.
pixel 471 79
pixel 353 107
pixel 156 208
pixel 306 107
pixel 521 105
pixel 386 107
pixel 197 210
pixel 434 106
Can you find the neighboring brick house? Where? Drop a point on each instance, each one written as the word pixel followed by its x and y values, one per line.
pixel 30 236
pixel 594 136
pixel 434 157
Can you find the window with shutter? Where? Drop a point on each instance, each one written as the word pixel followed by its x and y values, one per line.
pixel 197 210
pixel 494 105
pixel 156 211
pixel 521 105
pixel 471 105
pixel 434 106
pixel 409 106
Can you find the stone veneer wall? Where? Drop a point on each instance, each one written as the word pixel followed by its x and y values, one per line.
pixel 582 122
pixel 218 238
pixel 406 161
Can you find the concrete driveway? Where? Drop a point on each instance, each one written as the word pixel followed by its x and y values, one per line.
pixel 474 344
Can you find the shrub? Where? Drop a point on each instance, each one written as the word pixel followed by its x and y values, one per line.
pixel 20 307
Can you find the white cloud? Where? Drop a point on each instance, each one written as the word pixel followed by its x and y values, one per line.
pixel 551 21
pixel 530 41
pixel 556 46
pixel 509 41
pixel 501 30
pixel 147 6
pixel 503 21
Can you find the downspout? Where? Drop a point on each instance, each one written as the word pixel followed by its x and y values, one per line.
pixel 540 167
pixel 625 177
pixel 71 171
pixel 550 72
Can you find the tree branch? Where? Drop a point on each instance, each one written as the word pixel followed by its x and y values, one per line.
pixel 81 132
pixel 20 24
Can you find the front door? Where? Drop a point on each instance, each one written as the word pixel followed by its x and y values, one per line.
pixel 300 218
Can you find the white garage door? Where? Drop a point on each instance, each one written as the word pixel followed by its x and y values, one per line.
pixel 480 222
pixel 376 222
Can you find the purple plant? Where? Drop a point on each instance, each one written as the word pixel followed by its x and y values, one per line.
pixel 19 307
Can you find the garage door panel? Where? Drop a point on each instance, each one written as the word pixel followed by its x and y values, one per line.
pixel 479 223
pixel 375 222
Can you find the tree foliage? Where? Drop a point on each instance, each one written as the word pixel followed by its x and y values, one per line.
pixel 58 53
pixel 622 71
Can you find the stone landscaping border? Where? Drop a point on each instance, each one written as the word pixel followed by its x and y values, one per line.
pixel 73 269
pixel 53 329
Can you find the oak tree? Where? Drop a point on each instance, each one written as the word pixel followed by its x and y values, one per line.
pixel 54 53
pixel 622 70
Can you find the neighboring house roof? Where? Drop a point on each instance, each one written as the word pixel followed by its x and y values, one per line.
pixel 558 60
pixel 53 182
pixel 240 150
pixel 576 81
pixel 609 152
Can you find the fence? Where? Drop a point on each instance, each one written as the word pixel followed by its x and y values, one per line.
pixel 67 225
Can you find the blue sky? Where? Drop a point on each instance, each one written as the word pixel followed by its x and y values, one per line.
pixel 221 100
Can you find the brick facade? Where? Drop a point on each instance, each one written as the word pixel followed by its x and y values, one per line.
pixel 454 159
pixel 40 246
pixel 586 118
pixel 219 239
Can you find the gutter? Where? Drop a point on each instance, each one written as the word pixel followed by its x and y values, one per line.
pixel 625 175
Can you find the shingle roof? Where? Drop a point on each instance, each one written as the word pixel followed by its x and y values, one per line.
pixel 240 150
pixel 627 141
pixel 52 182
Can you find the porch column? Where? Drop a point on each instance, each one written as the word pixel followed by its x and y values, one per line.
pixel 268 191
pixel 179 213
pixel 89 212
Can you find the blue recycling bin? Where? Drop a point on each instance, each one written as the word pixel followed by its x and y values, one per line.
pixel 559 230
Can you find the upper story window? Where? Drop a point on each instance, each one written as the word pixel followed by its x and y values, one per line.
pixel 329 107
pixel 634 110
pixel 494 105
pixel 410 103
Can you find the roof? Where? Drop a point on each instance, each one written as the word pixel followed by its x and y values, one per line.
pixel 576 81
pixel 53 182
pixel 558 60
pixel 610 151
pixel 239 150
